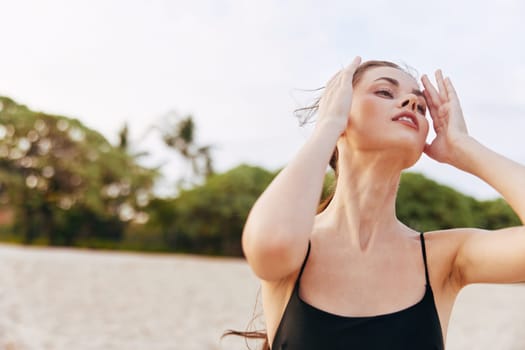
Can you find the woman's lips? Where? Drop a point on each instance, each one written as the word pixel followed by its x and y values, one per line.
pixel 407 118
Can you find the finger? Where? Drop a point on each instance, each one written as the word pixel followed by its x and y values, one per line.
pixel 452 94
pixel 350 69
pixel 355 63
pixel 432 108
pixel 428 99
pixel 431 90
pixel 334 80
pixel 427 103
pixel 443 94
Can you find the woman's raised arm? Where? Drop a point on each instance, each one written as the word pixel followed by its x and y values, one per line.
pixel 482 256
pixel 454 146
pixel 276 233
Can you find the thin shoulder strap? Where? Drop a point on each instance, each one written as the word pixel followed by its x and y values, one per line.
pixel 422 239
pixel 304 262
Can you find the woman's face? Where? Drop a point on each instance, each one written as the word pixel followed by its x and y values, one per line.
pixel 388 112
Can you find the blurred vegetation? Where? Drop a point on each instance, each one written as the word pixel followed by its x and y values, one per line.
pixel 64 184
pixel 425 205
pixel 208 219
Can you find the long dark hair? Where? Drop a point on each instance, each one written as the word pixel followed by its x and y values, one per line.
pixel 306 115
pixel 250 332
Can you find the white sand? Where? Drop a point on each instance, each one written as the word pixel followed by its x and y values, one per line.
pixel 78 300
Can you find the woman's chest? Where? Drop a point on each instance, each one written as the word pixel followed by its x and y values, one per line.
pixel 362 287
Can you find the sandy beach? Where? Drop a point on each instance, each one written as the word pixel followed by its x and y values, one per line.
pixel 57 299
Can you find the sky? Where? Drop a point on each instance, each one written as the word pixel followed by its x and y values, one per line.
pixel 241 68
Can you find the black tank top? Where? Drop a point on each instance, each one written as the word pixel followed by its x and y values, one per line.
pixel 305 327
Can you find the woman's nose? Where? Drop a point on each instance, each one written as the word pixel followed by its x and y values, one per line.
pixel 410 101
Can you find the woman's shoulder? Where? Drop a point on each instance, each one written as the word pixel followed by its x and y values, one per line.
pixel 442 247
pixel 450 237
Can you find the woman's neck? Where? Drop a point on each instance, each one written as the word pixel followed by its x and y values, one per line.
pixel 363 206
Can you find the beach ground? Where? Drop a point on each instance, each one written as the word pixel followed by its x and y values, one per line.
pixel 57 299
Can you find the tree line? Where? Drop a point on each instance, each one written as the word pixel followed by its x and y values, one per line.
pixel 62 183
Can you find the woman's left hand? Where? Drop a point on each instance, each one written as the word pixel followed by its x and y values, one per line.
pixel 447 118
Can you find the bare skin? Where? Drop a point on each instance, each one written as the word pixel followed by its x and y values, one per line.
pixel 358 235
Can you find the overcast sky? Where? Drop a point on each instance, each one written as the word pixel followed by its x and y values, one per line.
pixel 238 66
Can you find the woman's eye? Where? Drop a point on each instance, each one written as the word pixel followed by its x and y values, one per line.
pixel 385 93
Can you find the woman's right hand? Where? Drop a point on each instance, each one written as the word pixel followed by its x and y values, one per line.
pixel 335 104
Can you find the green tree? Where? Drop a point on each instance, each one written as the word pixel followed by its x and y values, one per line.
pixel 495 214
pixel 426 205
pixel 64 181
pixel 179 133
pixel 209 218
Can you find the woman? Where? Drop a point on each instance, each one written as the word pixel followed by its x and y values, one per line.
pixel 352 276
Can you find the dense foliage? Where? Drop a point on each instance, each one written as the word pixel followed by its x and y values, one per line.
pixel 64 182
pixel 426 205
pixel 209 218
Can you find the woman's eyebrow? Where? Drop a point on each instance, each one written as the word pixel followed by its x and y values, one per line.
pixel 390 80
pixel 396 83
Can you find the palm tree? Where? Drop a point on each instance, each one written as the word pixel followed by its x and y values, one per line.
pixel 179 134
pixel 124 143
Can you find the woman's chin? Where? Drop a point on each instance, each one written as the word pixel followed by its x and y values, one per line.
pixel 407 153
pixel 411 154
pixel 412 161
